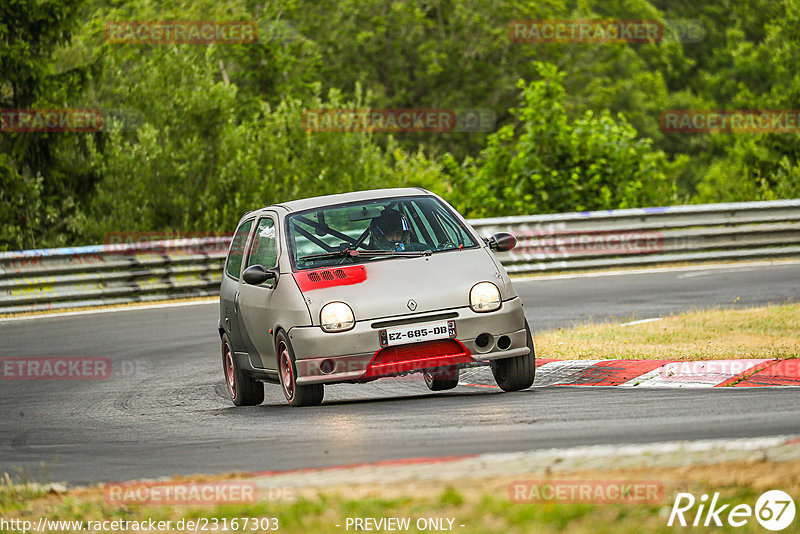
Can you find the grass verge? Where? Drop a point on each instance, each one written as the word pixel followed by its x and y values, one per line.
pixel 473 505
pixel 764 332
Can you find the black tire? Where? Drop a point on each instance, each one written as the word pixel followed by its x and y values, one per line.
pixel 296 395
pixel 514 374
pixel 441 379
pixel 244 390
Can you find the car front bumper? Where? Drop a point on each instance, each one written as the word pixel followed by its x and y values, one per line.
pixel 353 356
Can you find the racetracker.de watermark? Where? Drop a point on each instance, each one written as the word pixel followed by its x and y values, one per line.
pixel 187 493
pixel 180 32
pixel 606 31
pixel 51 120
pixel 730 121
pixel 323 366
pixel 55 368
pixel 126 243
pixel 710 369
pixel 68 120
pixel 585 31
pixel 544 243
pixel 431 120
pixel 587 491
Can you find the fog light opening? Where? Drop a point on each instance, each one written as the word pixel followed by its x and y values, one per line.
pixel 327 366
pixel 503 342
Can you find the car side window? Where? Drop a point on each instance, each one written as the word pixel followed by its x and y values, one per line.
pixel 264 248
pixel 239 241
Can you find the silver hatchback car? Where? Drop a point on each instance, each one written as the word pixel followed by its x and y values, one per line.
pixel 358 286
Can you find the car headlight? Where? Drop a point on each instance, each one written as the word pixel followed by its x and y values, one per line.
pixel 336 317
pixel 484 297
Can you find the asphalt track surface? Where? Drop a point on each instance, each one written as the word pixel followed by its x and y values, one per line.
pixel 165 411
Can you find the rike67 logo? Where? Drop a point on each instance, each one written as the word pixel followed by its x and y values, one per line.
pixel 774 510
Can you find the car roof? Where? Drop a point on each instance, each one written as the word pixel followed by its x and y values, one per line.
pixel 355 196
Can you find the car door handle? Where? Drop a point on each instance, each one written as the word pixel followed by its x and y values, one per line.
pixel 236 303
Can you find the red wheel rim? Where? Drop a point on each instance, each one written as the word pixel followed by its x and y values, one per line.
pixel 287 376
pixel 230 373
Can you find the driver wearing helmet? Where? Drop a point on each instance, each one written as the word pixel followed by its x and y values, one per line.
pixel 390 231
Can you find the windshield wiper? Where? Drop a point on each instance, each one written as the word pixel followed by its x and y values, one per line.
pixel 368 253
pixel 402 253
pixel 345 252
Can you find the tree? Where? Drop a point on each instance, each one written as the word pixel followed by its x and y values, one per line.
pixel 548 163
pixel 44 175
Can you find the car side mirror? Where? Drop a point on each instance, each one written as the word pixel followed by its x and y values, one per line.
pixel 255 275
pixel 502 242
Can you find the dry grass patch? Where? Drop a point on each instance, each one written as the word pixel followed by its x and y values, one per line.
pixel 766 332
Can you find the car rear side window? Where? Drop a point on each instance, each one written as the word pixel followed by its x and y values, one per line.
pixel 239 241
pixel 264 250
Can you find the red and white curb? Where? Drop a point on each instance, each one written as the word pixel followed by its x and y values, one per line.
pixel 657 373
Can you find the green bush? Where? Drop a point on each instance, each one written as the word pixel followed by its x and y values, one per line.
pixel 547 163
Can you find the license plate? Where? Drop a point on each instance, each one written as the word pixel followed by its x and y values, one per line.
pixel 417 333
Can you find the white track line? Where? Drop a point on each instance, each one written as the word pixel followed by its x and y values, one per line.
pixel 127 307
pixel 734 266
pixel 641 321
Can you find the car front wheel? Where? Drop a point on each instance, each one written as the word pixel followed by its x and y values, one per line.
pixel 296 395
pixel 514 374
pixel 243 389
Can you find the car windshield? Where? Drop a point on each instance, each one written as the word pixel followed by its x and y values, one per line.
pixel 375 229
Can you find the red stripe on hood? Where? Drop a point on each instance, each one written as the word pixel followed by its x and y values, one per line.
pixel 330 277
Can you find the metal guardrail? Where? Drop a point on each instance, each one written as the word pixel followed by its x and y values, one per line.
pixel 648 236
pixel 50 279
pixel 47 279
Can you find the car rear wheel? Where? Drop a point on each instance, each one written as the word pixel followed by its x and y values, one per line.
pixel 296 395
pixel 442 379
pixel 514 374
pixel 243 389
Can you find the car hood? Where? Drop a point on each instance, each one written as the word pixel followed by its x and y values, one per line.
pixel 383 288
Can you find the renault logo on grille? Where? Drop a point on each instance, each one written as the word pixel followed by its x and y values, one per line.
pixel 412 304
